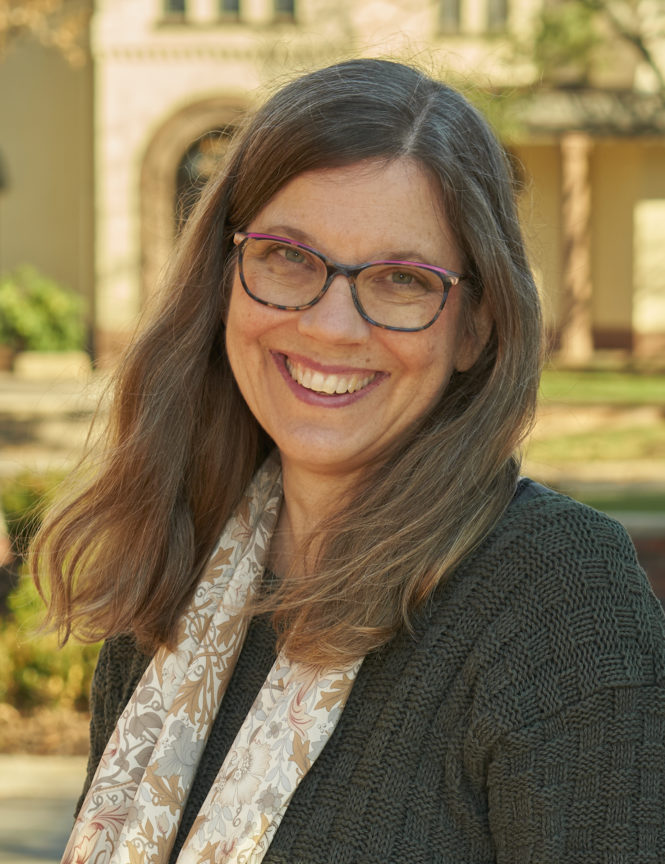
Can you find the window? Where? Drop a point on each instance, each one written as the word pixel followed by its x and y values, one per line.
pixel 285 9
pixel 449 16
pixel 175 8
pixel 497 15
pixel 229 8
pixel 198 164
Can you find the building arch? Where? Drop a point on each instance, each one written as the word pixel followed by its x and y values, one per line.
pixel 159 177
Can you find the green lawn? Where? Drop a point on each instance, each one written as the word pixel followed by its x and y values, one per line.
pixel 603 387
pixel 602 445
pixel 605 440
pixel 619 500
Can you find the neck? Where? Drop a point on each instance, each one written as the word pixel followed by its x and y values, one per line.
pixel 308 499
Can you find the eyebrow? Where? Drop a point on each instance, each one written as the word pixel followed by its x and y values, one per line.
pixel 300 236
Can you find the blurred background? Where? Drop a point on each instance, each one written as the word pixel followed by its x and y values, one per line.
pixel 113 114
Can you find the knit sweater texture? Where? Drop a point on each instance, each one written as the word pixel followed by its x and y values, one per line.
pixel 522 721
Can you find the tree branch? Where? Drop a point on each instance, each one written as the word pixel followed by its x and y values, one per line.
pixel 633 36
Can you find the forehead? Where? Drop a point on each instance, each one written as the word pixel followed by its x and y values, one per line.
pixel 369 208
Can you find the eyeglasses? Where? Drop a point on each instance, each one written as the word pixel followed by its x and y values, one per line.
pixel 395 295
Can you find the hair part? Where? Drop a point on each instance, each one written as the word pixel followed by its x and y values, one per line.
pixel 125 551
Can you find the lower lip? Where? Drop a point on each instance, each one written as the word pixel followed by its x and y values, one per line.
pixel 313 397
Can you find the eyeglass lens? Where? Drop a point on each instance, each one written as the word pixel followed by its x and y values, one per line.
pixel 394 294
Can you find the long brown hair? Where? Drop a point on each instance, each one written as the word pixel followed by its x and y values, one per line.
pixel 124 552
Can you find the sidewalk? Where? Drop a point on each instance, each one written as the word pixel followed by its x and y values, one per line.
pixel 37 799
pixel 44 423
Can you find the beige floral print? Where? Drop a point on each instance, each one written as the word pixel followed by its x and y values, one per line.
pixel 132 811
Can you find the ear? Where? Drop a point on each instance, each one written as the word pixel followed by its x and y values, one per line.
pixel 476 333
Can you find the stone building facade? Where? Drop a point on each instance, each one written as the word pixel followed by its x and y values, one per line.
pixel 167 76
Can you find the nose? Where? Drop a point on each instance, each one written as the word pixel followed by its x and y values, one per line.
pixel 335 318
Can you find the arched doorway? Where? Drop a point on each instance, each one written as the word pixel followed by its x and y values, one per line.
pixel 169 172
pixel 198 164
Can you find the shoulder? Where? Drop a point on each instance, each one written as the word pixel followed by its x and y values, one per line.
pixel 551 524
pixel 120 654
pixel 120 666
pixel 547 544
pixel 555 608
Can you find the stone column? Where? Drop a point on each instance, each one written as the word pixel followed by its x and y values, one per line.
pixel 203 11
pixel 576 339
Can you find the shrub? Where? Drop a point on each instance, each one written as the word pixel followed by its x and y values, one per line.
pixel 34 671
pixel 38 314
pixel 23 500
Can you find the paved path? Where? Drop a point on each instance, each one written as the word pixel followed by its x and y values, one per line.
pixel 44 424
pixel 37 799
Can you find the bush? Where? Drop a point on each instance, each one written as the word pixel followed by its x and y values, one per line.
pixel 38 314
pixel 23 500
pixel 566 40
pixel 34 671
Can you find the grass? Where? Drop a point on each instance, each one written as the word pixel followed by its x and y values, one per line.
pixel 642 441
pixel 620 500
pixel 602 387
pixel 621 434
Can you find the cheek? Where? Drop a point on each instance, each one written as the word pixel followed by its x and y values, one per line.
pixel 433 362
pixel 243 316
pixel 436 379
pixel 239 332
pixel 248 328
pixel 230 323
pixel 427 368
pixel 230 286
pixel 434 354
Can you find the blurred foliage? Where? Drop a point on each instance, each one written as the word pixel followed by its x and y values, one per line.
pixel 572 38
pixel 62 24
pixel 38 314
pixel 502 108
pixel 34 671
pixel 24 499
pixel 565 39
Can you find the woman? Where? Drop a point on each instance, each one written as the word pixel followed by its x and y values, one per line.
pixel 476 663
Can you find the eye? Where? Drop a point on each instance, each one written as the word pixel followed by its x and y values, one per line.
pixel 285 253
pixel 403 277
pixel 292 254
pixel 408 278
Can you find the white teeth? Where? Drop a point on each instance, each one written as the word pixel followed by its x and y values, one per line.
pixel 318 381
pixel 330 384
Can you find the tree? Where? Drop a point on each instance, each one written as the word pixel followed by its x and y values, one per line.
pixel 61 24
pixel 570 34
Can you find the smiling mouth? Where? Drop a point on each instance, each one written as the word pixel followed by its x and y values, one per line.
pixel 330 384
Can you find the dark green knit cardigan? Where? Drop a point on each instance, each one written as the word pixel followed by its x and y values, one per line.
pixel 524 721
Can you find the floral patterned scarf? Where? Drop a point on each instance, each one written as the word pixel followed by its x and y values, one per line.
pixel 132 811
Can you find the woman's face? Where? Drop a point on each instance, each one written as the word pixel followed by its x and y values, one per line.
pixel 282 361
